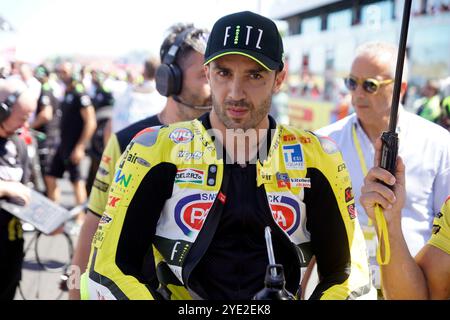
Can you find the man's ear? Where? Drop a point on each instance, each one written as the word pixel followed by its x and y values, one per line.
pixel 279 79
pixel 206 69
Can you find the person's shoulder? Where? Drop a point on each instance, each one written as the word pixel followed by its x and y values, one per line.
pixel 309 140
pixel 125 135
pixel 426 128
pixel 337 127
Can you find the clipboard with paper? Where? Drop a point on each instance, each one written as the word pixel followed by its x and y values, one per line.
pixel 44 214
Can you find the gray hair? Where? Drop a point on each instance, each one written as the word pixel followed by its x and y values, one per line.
pixel 385 52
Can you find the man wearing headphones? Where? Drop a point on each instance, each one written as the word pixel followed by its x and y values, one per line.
pixel 17 104
pixel 182 80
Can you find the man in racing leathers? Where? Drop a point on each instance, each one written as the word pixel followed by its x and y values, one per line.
pixel 203 201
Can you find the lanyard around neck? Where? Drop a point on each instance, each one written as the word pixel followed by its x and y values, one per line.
pixel 379 217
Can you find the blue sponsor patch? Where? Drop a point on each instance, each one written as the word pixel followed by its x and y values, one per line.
pixel 293 157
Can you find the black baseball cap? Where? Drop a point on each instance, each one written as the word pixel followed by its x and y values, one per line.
pixel 248 34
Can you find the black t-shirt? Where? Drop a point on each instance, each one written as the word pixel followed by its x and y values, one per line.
pixel 47 98
pixel 71 121
pixel 13 167
pixel 102 98
pixel 236 259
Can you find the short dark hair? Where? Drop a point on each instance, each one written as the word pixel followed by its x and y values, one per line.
pixel 150 66
pixel 194 41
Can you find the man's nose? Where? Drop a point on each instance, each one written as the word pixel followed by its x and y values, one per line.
pixel 236 91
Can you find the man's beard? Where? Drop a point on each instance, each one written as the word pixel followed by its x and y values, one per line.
pixel 256 114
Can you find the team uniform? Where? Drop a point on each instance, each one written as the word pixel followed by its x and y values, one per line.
pixel 440 237
pixel 13 167
pixel 425 150
pixel 116 145
pixel 103 101
pixel 172 192
pixel 71 128
pixel 47 147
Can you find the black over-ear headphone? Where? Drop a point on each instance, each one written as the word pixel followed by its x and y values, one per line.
pixel 6 106
pixel 169 76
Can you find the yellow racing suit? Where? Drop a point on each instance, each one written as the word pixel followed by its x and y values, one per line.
pixel 170 184
pixel 440 237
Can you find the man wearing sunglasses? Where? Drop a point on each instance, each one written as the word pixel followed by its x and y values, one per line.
pixel 424 146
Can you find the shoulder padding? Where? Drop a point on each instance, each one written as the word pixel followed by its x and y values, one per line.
pixel 147 137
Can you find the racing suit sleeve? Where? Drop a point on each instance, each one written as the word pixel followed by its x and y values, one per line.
pixel 122 264
pixel 104 176
pixel 336 238
pixel 440 237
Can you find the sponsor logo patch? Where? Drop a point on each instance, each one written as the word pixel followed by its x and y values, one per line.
pixel 348 194
pixel 122 179
pixel 191 212
pixel 189 175
pixel 105 219
pixel 181 135
pixel 284 181
pixel 186 155
pixel 142 162
pixel 436 228
pixel 352 211
pixel 106 159
pixel 293 157
pixel 289 137
pixel 112 201
pixel 341 167
pixel 100 185
pixel 285 212
pixel 102 171
pixel 305 140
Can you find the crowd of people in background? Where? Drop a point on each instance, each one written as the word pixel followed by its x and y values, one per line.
pixel 83 112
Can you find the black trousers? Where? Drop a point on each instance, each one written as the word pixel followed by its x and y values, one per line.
pixel 11 258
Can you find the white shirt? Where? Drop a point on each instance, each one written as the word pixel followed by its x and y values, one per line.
pixel 425 150
pixel 136 104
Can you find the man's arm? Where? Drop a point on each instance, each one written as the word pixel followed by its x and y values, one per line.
pixel 97 202
pixel 43 117
pixel 401 277
pixel 435 264
pixel 90 123
pixel 14 189
pixel 125 233
pixel 434 258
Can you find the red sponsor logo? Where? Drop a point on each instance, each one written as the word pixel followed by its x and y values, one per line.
pixel 305 140
pixel 283 215
pixel 352 211
pixel 194 215
pixel 113 201
pixel 222 197
pixel 348 194
pixel 289 137
pixel 106 159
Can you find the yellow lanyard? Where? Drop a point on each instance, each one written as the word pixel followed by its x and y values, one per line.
pixel 379 217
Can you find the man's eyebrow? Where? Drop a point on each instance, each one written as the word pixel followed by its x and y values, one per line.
pixel 259 69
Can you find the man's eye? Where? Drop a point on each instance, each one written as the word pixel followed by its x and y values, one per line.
pixel 255 76
pixel 223 73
